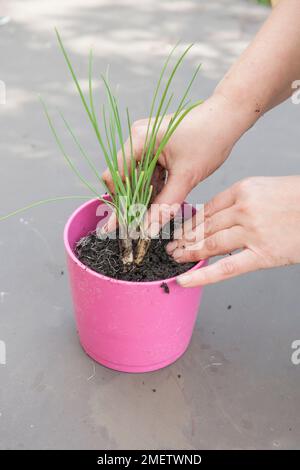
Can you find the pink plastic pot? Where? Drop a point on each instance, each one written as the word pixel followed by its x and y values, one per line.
pixel 127 326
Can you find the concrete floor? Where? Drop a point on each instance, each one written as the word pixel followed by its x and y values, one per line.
pixel 236 386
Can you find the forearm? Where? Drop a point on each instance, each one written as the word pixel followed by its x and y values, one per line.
pixel 263 75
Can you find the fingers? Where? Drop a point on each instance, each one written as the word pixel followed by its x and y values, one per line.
pixel 194 231
pixel 167 204
pixel 110 225
pixel 221 201
pixel 188 229
pixel 226 268
pixel 108 181
pixel 222 242
pixel 137 149
pixel 138 133
pixel 106 175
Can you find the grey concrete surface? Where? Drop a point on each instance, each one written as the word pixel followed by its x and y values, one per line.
pixel 236 386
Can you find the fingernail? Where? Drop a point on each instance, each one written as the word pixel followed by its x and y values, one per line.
pixel 171 247
pixel 177 253
pixel 183 279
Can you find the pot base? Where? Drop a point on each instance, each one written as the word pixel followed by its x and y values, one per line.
pixel 133 369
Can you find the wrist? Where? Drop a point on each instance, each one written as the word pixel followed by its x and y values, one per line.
pixel 229 120
pixel 245 111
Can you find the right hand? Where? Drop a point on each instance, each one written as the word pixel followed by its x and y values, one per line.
pixel 200 144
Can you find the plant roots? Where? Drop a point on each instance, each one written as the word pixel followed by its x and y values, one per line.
pixel 126 252
pixel 141 250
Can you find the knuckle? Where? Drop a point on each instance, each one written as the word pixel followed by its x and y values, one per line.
pixel 106 176
pixel 138 128
pixel 240 207
pixel 211 244
pixel 244 207
pixel 208 226
pixel 136 131
pixel 209 207
pixel 249 209
pixel 227 267
pixel 136 124
pixel 245 185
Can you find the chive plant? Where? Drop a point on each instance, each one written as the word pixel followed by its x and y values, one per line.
pixel 132 188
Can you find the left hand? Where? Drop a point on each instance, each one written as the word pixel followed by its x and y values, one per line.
pixel 259 216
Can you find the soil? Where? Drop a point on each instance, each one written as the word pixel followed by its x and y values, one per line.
pixel 102 256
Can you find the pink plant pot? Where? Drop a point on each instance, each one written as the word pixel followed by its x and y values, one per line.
pixel 127 326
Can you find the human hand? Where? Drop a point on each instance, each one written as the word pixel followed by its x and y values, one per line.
pixel 260 216
pixel 200 144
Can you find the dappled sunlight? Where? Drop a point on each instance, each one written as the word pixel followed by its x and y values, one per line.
pixel 17 98
pixel 151 27
pixel 133 37
pixel 234 387
pixel 180 6
pixel 27 150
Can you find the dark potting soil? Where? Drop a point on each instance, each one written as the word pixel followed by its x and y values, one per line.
pixel 102 256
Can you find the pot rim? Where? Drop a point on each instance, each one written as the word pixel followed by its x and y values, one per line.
pixel 72 255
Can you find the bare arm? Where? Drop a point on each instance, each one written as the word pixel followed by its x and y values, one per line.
pixel 263 75
pixel 259 80
pixel 259 216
